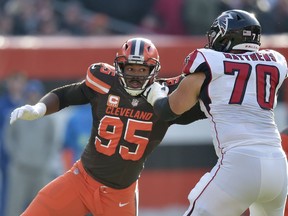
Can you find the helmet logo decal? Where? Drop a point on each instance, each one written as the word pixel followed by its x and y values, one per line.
pixel 187 59
pixel 222 23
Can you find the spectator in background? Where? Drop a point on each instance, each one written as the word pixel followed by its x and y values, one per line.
pixel 72 20
pixel 94 17
pixel 130 11
pixel 11 97
pixel 25 16
pixel 30 147
pixel 280 16
pixel 261 8
pixel 125 16
pixel 161 21
pixel 33 17
pixel 77 134
pixel 98 24
pixel 193 11
pixel 6 24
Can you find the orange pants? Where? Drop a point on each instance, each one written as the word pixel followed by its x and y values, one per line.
pixel 76 193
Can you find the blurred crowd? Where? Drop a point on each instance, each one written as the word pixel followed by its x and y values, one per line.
pixel 30 153
pixel 98 17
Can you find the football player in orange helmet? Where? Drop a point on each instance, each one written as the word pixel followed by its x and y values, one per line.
pixel 141 52
pixel 125 131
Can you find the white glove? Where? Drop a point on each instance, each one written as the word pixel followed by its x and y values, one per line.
pixel 155 91
pixel 28 112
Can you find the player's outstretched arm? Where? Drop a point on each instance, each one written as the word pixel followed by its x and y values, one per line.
pixel 179 101
pixel 47 105
pixel 187 93
pixel 158 93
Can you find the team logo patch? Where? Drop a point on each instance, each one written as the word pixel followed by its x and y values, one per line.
pixel 135 102
pixel 187 59
pixel 113 100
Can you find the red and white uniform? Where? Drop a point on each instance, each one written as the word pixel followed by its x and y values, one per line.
pixel 238 97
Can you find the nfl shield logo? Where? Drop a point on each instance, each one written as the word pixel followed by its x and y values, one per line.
pixel 135 102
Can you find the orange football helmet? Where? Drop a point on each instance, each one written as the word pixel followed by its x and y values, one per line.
pixel 137 51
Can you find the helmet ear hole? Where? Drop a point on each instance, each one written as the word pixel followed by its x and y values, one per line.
pixel 224 44
pixel 121 65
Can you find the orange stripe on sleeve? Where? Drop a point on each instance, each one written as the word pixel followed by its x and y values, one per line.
pixel 96 84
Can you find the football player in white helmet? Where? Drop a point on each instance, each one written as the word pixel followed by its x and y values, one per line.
pixel 237 86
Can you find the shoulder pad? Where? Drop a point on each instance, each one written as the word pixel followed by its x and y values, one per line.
pixel 100 77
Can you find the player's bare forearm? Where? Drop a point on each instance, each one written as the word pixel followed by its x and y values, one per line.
pixel 51 101
pixel 187 93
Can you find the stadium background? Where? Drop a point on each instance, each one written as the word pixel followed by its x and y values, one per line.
pixel 186 152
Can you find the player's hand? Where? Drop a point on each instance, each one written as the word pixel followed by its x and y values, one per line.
pixel 155 91
pixel 28 112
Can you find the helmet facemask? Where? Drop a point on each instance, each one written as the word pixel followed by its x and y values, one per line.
pixel 147 57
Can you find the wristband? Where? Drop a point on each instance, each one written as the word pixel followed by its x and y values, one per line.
pixel 40 108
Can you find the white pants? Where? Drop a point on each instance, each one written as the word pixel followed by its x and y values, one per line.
pixel 241 179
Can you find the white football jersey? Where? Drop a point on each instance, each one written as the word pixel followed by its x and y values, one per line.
pixel 239 95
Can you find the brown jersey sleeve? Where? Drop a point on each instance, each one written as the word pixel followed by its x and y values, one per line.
pixel 72 94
